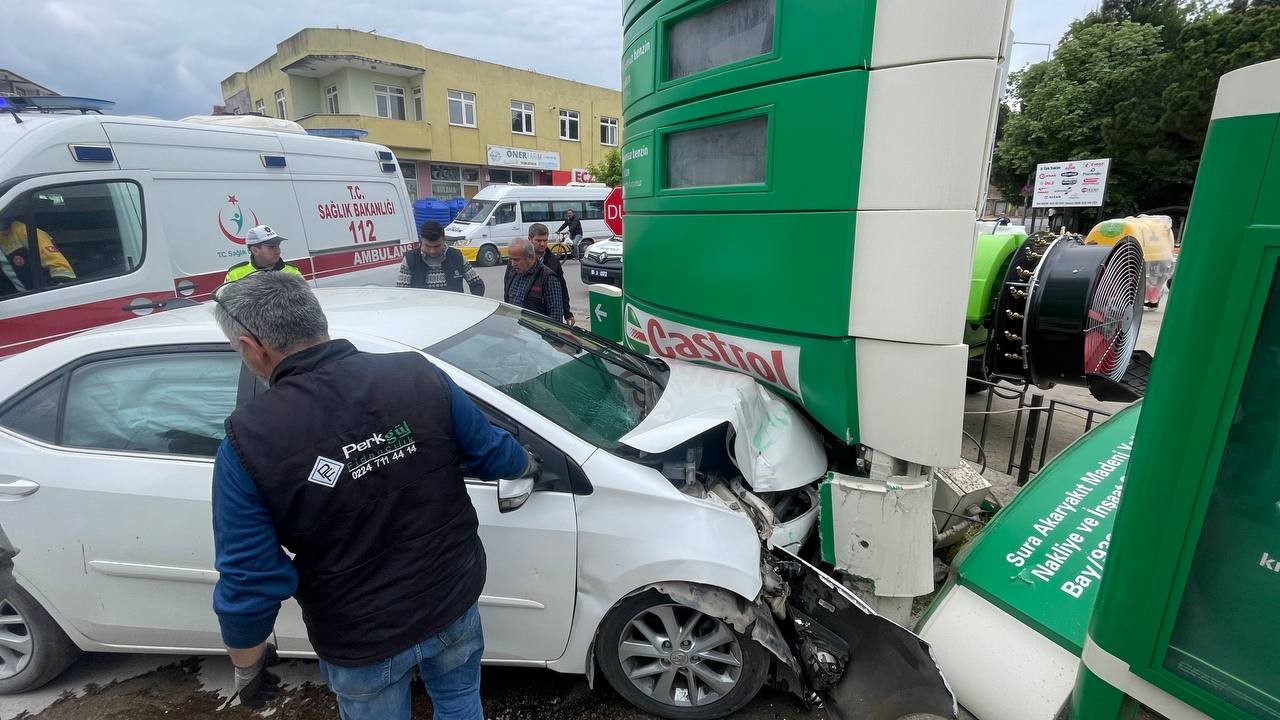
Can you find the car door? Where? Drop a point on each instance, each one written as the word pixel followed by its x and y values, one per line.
pixel 115 454
pixel 527 602
pixel 506 224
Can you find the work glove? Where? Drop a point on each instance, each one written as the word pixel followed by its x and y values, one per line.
pixel 256 685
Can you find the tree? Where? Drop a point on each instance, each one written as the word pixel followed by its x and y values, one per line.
pixel 1122 90
pixel 608 170
pixel 1100 96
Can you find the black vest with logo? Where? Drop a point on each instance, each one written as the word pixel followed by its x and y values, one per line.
pixel 534 299
pixel 452 267
pixel 354 456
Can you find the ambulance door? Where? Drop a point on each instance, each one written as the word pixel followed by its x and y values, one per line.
pixel 79 250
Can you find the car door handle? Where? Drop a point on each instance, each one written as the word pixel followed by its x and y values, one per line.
pixel 17 486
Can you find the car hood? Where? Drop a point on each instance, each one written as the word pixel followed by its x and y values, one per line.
pixel 774 446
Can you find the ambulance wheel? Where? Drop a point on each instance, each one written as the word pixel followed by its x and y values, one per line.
pixel 488 256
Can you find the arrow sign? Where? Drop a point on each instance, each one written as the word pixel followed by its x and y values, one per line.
pixel 600 313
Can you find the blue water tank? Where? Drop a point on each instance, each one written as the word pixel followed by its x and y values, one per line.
pixel 432 209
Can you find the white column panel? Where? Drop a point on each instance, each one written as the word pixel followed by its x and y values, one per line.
pixel 911 399
pixel 917 31
pixel 911 275
pixel 926 140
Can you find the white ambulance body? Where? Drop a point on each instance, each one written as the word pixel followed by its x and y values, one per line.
pixel 145 211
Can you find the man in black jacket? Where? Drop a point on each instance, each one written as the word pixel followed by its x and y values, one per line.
pixel 538 235
pixel 436 266
pixel 352 462
pixel 572 222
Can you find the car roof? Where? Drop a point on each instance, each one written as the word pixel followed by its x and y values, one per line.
pixel 415 318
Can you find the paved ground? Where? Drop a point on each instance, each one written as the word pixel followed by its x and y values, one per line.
pixel 133 687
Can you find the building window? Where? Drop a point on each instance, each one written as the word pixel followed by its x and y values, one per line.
pixel 462 108
pixel 282 110
pixel 260 107
pixel 569 125
pixel 417 105
pixel 331 98
pixel 521 117
pixel 608 131
pixel 390 101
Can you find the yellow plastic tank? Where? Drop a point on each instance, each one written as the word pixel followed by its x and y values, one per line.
pixel 1155 234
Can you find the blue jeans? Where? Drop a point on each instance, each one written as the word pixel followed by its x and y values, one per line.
pixel 449 662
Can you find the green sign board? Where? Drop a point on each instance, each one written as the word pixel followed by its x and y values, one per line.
pixel 1042 557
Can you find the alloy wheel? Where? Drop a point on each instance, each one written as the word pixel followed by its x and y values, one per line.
pixel 15 641
pixel 679 656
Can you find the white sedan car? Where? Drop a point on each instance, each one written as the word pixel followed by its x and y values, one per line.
pixel 655 547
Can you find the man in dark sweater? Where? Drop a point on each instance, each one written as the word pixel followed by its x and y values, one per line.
pixel 538 235
pixel 436 266
pixel 352 462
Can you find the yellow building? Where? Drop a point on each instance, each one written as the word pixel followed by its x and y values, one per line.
pixel 456 124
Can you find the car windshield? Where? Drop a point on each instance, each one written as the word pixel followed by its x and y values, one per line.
pixel 475 211
pixel 596 390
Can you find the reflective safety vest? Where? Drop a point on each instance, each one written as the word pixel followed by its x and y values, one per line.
pixel 248 268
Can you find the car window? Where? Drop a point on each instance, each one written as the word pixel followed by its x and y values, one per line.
pixel 595 390
pixel 506 213
pixel 36 415
pixel 171 403
pixel 67 234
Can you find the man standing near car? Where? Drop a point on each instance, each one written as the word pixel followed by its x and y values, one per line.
pixel 264 255
pixel 351 461
pixel 530 284
pixel 574 225
pixel 436 266
pixel 538 236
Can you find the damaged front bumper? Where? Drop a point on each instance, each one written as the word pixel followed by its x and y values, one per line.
pixel 832 649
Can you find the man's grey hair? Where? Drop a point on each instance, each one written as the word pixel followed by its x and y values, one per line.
pixel 279 308
pixel 524 245
pixel 537 229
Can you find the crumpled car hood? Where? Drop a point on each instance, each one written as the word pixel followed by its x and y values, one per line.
pixel 774 445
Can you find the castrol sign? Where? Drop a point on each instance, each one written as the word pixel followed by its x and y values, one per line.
pixel 774 363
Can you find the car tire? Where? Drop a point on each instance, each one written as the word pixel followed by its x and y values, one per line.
pixel 47 652
pixel 488 256
pixel 726 668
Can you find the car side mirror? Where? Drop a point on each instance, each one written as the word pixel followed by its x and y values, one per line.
pixel 512 494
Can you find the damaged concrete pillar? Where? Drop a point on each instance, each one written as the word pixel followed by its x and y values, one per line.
pixel 879 529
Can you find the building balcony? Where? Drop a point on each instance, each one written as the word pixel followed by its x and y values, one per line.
pixel 411 139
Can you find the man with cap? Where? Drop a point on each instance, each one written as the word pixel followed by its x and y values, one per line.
pixel 264 254
pixel 436 266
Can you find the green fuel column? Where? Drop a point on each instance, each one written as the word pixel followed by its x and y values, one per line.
pixel 801 182
pixel 1186 620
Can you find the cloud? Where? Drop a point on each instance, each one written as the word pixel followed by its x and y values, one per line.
pixel 168 58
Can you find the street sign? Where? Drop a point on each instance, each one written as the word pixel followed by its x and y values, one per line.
pixel 1075 183
pixel 613 211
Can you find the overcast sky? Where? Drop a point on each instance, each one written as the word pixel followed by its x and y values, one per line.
pixel 167 58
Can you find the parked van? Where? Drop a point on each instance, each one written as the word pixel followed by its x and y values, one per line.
pixel 499 213
pixel 104 218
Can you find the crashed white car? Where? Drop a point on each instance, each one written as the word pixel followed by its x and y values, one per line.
pixel 652 549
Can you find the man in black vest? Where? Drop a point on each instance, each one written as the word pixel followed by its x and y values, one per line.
pixel 530 284
pixel 351 461
pixel 436 266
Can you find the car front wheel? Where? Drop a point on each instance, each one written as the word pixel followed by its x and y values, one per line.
pixel 33 649
pixel 677 662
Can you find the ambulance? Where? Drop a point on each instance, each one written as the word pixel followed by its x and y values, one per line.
pixel 104 218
